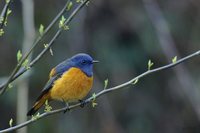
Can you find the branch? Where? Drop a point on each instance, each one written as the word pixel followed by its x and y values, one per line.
pixel 39 38
pixel 4 14
pixel 17 71
pixel 93 98
pixel 162 30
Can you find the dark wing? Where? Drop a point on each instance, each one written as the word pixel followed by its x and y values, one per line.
pixel 60 68
pixel 48 86
pixel 54 75
pixel 43 97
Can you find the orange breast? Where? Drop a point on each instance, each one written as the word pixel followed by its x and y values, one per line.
pixel 73 85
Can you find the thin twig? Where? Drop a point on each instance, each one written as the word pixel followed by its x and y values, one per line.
pixel 167 43
pixel 17 72
pixel 4 13
pixel 39 38
pixel 104 91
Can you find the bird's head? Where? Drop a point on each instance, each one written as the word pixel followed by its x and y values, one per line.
pixel 83 62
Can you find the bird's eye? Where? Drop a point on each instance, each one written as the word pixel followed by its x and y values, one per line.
pixel 83 62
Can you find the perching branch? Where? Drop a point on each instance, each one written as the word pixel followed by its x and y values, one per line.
pixel 168 46
pixel 104 91
pixel 17 71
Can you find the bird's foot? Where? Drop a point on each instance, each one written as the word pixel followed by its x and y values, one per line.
pixel 83 103
pixel 67 108
pixel 66 105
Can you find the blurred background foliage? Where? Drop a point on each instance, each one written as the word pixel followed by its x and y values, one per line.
pixel 120 34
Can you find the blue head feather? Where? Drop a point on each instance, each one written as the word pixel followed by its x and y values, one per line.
pixel 81 61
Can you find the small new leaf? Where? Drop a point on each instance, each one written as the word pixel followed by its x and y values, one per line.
pixel 25 64
pixel 48 108
pixel 1 32
pixel 51 51
pixel 135 81
pixel 41 30
pixel 87 4
pixel 11 122
pixel 174 59
pixel 19 55
pixel 94 100
pixel 46 45
pixel 9 12
pixel 6 18
pixel 7 1
pixel 94 96
pixel 35 117
pixel 94 104
pixel 10 86
pixel 105 83
pixel 150 64
pixel 69 6
pixel 66 27
pixel 62 22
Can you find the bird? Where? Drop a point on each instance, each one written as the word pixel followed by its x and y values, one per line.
pixel 69 81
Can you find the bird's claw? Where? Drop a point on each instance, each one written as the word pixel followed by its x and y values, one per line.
pixel 66 106
pixel 83 103
pixel 66 110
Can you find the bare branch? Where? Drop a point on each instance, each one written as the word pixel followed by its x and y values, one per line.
pixel 104 91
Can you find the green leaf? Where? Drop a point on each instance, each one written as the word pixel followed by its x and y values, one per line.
pixel 78 1
pixel 19 55
pixel 65 27
pixel 11 122
pixel 1 32
pixel 6 19
pixel 135 81
pixel 94 100
pixel 26 64
pixel 51 51
pixel 105 83
pixel 35 117
pixel 87 4
pixel 9 12
pixel 62 22
pixel 150 64
pixel 10 86
pixel 174 59
pixel 7 1
pixel 46 45
pixel 69 6
pixel 41 29
pixel 48 108
pixel 94 104
pixel 94 96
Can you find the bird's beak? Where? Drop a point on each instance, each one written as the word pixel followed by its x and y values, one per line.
pixel 95 61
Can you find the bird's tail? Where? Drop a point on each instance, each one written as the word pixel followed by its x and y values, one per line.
pixel 39 102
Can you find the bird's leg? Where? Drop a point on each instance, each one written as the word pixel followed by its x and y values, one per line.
pixel 83 103
pixel 66 105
